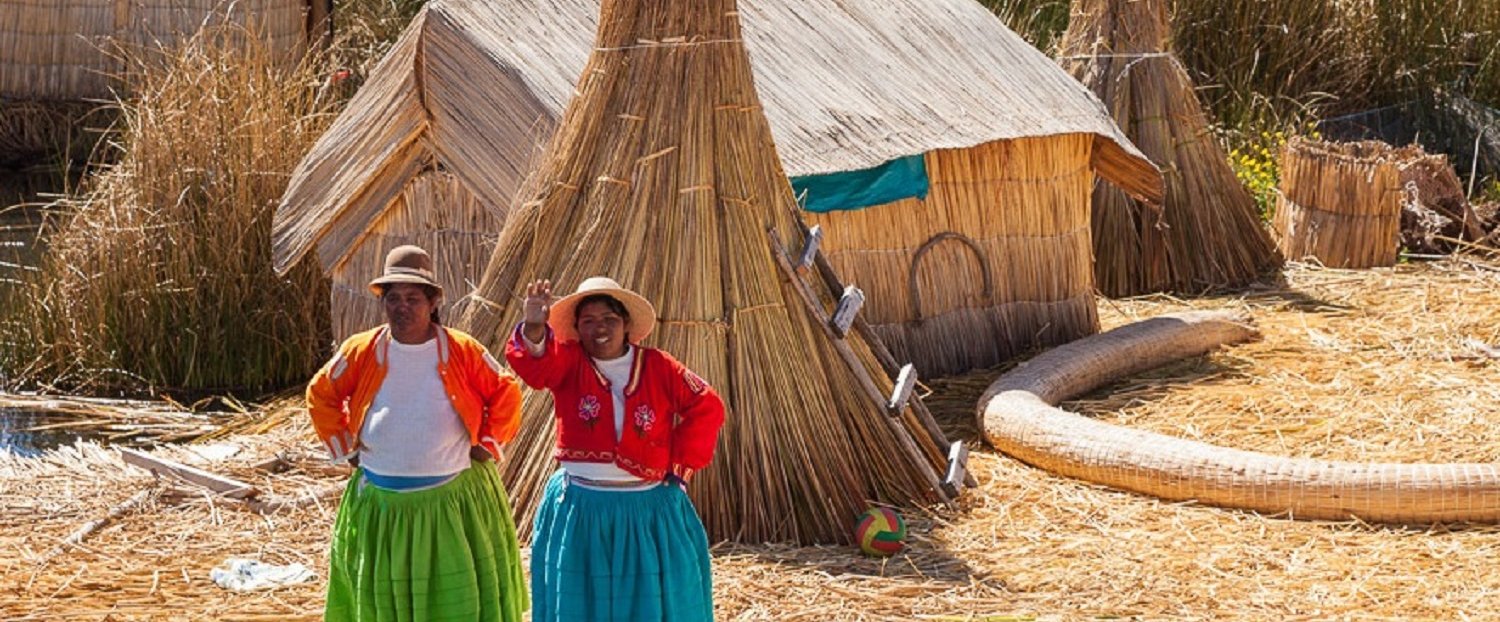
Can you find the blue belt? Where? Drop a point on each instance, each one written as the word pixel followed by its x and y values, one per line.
pixel 399 482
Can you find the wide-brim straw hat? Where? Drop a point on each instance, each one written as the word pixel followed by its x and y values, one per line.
pixel 406 264
pixel 562 317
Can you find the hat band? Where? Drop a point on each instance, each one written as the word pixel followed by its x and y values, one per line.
pixel 416 271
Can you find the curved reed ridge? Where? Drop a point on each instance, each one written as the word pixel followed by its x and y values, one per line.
pixel 1018 415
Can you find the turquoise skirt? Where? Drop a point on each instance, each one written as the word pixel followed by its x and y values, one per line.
pixel 600 555
pixel 445 553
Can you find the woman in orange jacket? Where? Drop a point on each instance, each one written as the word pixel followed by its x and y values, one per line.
pixel 615 536
pixel 424 531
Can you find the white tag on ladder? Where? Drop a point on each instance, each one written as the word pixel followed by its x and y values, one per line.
pixel 848 308
pixel 905 382
pixel 958 468
pixel 810 248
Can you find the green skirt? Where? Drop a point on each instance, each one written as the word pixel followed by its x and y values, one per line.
pixel 445 553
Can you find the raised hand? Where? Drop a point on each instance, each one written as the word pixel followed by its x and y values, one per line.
pixel 538 303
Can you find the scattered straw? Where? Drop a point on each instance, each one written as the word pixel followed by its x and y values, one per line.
pixel 1357 365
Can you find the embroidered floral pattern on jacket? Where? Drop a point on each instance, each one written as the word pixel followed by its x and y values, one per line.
pixel 644 419
pixel 588 410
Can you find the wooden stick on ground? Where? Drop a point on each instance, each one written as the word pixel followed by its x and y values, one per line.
pixel 233 489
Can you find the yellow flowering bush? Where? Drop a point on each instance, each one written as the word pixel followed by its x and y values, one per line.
pixel 1257 163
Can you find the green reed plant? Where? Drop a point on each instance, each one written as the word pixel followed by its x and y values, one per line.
pixel 1421 46
pixel 1040 22
pixel 159 276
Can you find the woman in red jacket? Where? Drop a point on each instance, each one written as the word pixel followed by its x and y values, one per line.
pixel 423 531
pixel 615 536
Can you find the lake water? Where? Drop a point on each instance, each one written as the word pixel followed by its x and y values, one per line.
pixel 15 437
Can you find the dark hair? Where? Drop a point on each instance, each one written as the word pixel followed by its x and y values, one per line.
pixel 431 292
pixel 609 301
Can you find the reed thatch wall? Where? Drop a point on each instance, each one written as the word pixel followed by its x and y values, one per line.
pixel 1340 203
pixel 664 176
pixel 435 211
pixel 65 49
pixel 995 261
pixel 1207 233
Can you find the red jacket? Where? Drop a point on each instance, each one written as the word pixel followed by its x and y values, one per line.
pixel 487 399
pixel 672 417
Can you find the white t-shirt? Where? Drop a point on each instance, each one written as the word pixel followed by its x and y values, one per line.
pixel 411 429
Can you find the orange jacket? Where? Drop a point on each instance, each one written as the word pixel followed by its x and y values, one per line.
pixel 486 397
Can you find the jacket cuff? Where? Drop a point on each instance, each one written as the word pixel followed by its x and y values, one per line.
pixel 536 350
pixel 340 447
pixel 493 446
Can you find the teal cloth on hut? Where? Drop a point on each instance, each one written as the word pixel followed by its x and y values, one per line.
pixel 897 179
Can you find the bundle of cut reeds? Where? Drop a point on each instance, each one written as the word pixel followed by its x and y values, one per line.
pixel 1340 203
pixel 1207 232
pixel 663 175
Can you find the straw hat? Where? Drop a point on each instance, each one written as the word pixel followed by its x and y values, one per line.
pixel 406 264
pixel 642 315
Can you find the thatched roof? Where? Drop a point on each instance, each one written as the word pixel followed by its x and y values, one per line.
pixel 846 84
pixel 662 174
pixel 66 51
pixel 1207 232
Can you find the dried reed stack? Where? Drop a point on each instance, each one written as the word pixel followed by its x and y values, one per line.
pixel 1340 203
pixel 1206 233
pixel 435 211
pixel 663 175
pixel 160 276
pixel 994 261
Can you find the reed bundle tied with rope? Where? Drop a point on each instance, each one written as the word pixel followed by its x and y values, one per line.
pixel 1340 203
pixel 993 262
pixel 1206 233
pixel 435 211
pixel 663 175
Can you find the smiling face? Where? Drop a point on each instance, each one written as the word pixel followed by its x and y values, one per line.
pixel 601 328
pixel 408 310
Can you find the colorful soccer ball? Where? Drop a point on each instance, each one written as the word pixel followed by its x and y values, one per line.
pixel 880 532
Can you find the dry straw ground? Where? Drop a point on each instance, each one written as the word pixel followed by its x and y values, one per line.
pixel 1381 365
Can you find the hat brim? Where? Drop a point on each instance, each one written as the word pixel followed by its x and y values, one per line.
pixel 562 317
pixel 392 279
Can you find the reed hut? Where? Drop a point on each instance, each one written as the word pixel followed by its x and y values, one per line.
pixel 663 174
pixel 1340 203
pixel 970 155
pixel 1207 233
pixel 435 211
pixel 56 57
